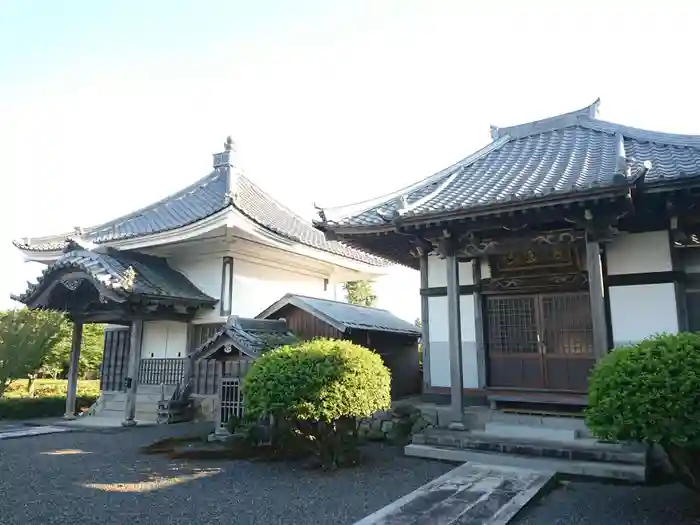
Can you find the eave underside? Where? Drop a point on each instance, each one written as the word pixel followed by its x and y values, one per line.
pixel 635 210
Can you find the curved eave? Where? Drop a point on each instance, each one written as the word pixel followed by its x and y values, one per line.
pixel 50 279
pixel 473 212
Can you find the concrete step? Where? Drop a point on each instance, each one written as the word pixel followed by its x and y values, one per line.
pixel 499 429
pixel 155 389
pixel 479 417
pixel 581 449
pixel 111 413
pixel 595 469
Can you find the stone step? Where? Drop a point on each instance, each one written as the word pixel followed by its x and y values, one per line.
pixel 155 390
pixel 111 413
pixel 594 469
pixel 499 429
pixel 478 418
pixel 582 449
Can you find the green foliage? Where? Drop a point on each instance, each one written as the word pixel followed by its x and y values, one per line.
pixel 360 293
pixel 320 388
pixel 51 388
pixel 57 359
pixel 648 392
pixel 323 379
pixel 32 407
pixel 26 337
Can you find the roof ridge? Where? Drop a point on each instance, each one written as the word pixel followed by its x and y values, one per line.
pixel 535 127
pixel 674 139
pixel 444 173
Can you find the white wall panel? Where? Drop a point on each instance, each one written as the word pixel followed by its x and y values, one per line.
pixel 437 272
pixel 639 253
pixel 642 310
pixel 163 339
pixel 256 286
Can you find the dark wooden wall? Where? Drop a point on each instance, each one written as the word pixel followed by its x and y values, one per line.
pixel 399 351
pixel 208 372
pixel 115 358
pixel 305 325
pixel 400 355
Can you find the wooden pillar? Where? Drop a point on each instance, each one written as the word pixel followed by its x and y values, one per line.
pixel 479 322
pixel 597 298
pixel 454 340
pixel 74 363
pixel 425 319
pixel 133 372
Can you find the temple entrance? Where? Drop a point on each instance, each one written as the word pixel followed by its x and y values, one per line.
pixel 541 341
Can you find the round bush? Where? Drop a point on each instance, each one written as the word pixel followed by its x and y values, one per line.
pixel 649 392
pixel 320 380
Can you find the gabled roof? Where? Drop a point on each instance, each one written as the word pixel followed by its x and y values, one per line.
pixel 344 316
pixel 571 154
pixel 221 189
pixel 248 336
pixel 120 276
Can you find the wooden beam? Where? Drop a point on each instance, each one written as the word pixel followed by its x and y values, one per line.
pixel 597 298
pixel 72 390
pixel 425 319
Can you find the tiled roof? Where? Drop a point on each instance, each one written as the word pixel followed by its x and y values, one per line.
pixel 153 279
pixel 202 199
pixel 248 336
pixel 344 315
pixel 564 155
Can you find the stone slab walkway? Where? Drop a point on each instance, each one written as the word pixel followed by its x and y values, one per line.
pixel 471 494
pixel 18 431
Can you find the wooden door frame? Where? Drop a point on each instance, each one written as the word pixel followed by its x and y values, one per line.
pixel 539 326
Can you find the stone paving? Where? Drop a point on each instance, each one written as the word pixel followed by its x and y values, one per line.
pixel 12 431
pixel 471 494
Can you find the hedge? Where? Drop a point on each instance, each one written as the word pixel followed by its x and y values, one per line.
pixel 33 407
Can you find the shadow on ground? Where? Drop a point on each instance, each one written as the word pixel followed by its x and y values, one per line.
pixel 97 477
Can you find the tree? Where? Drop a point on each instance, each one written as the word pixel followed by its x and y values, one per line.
pixel 360 293
pixel 26 337
pixel 57 359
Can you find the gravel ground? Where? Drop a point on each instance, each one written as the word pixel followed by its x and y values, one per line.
pixel 100 477
pixel 589 503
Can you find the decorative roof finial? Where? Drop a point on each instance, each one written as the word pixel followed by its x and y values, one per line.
pixel 225 158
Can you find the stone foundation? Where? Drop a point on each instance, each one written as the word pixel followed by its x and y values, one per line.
pixel 204 407
pixel 396 425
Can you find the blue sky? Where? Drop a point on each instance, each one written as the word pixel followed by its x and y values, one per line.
pixel 106 106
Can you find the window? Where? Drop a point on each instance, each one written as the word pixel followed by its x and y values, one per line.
pixel 226 286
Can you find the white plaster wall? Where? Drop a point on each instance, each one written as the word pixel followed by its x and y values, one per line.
pixel 205 274
pixel 642 310
pixel 438 336
pixel 439 346
pixel 163 339
pixel 256 286
pixel 437 272
pixel 470 370
pixel 639 253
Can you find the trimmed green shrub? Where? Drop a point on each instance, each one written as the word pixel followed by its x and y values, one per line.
pixel 650 393
pixel 321 387
pixel 33 407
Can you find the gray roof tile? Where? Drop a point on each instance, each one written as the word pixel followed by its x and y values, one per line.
pixel 344 315
pixel 562 155
pixel 249 336
pixel 154 279
pixel 204 198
